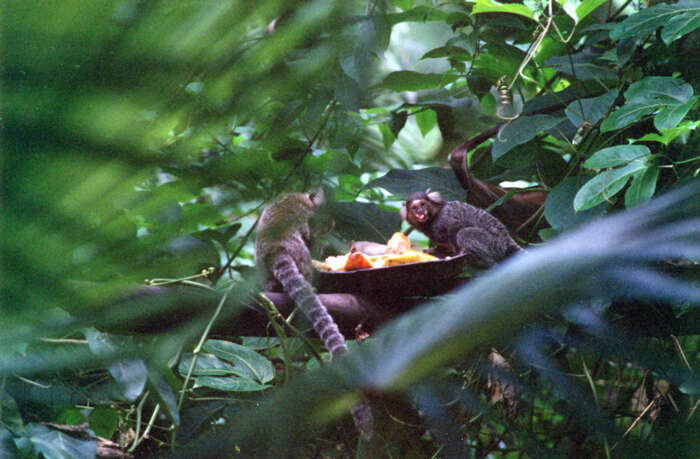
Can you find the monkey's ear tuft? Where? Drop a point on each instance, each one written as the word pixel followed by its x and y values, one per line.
pixel 434 196
pixel 404 212
pixel 316 196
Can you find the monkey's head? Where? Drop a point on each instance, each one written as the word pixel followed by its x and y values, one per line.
pixel 421 207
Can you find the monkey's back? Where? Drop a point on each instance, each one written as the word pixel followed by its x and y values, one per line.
pixel 284 229
pixel 455 215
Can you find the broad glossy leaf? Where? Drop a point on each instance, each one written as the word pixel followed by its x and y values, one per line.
pixel 246 361
pixel 559 207
pixel 163 392
pixel 209 365
pixel 420 13
pixel 586 66
pixel 492 6
pixel 230 383
pixel 54 444
pixel 403 182
pixel 594 108
pixel 11 417
pixel 130 373
pixel 677 21
pixel 626 115
pixel 616 156
pixel 643 22
pixel 605 185
pixel 672 115
pixel 522 130
pixel 642 187
pixel 655 90
pixel 684 23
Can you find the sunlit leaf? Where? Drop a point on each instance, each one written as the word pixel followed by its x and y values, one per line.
pixel 559 207
pixel 492 6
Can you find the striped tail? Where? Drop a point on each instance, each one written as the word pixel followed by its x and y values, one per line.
pixel 297 287
pixel 286 271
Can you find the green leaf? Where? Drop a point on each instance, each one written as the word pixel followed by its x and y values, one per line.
pixel 103 420
pixel 54 444
pixel 594 108
pixel 8 448
pixel 677 21
pixel 559 206
pixel 388 137
pixel 626 115
pixel 130 373
pixel 70 416
pixel 682 24
pixel 248 362
pixel 230 384
pixel 605 185
pixel 492 6
pixel 163 392
pixel 407 80
pixel 209 365
pixel 11 417
pixel 403 182
pixel 585 66
pixel 426 121
pixel 669 135
pixel 642 187
pixel 616 156
pixel 655 90
pixel 420 13
pixel 361 221
pixel 672 115
pixel 522 130
pixel 643 22
pixel 586 7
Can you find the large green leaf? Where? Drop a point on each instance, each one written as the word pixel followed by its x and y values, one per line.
pixel 616 156
pixel 559 207
pixel 642 187
pixel 492 6
pixel 677 21
pixel 605 185
pixel 57 445
pixel 586 66
pixel 522 130
pixel 246 362
pixel 648 95
pixel 592 109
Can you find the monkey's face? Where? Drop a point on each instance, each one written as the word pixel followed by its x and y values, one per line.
pixel 417 212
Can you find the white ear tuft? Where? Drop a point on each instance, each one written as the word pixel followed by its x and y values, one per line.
pixel 316 197
pixel 434 196
pixel 403 212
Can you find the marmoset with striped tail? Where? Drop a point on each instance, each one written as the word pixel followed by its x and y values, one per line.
pixel 458 228
pixel 282 242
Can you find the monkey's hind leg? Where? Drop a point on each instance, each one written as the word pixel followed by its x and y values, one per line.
pixel 477 244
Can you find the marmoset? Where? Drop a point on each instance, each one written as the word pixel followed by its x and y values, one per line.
pixel 282 242
pixel 458 228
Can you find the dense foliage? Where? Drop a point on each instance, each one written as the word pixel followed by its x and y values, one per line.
pixel 141 140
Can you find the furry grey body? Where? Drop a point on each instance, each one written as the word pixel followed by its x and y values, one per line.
pixel 458 228
pixel 282 254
